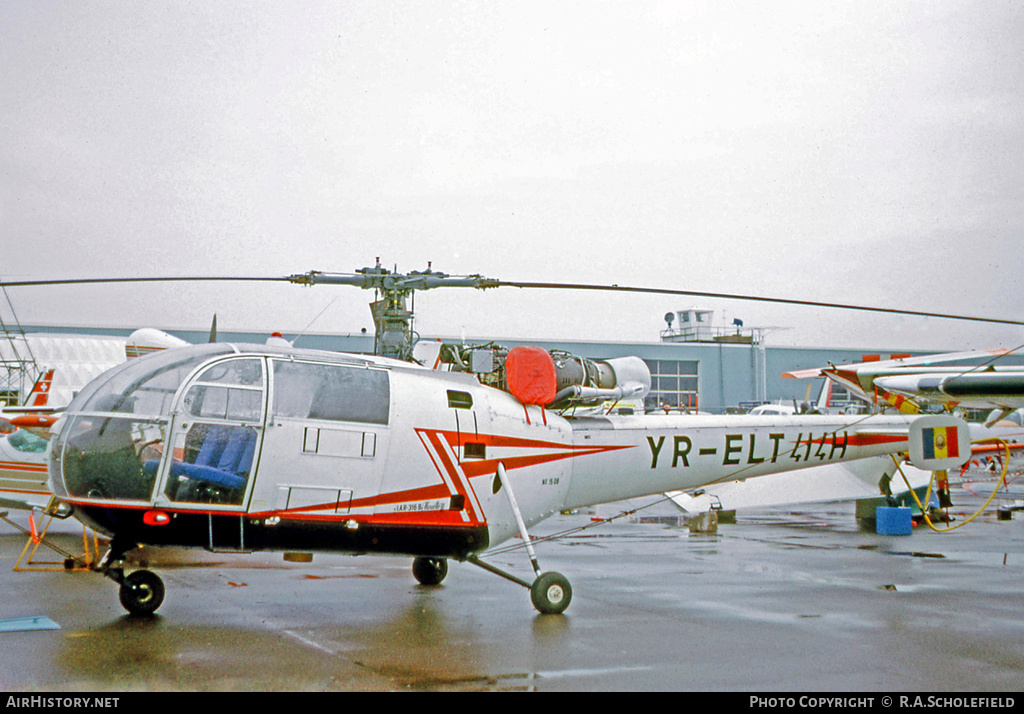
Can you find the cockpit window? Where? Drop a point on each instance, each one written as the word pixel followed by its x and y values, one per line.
pixel 209 402
pixel 211 460
pixel 331 392
pixel 104 457
pixel 145 385
pixel 244 372
pixel 231 390
pixel 116 428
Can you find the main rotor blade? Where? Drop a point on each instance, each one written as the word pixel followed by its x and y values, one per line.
pixel 168 279
pixel 484 283
pixel 755 298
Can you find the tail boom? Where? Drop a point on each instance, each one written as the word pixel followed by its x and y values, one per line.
pixel 669 453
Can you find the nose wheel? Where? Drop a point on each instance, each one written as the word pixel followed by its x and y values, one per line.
pixel 142 592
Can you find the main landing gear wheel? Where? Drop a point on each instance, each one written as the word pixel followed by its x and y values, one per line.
pixel 142 592
pixel 551 593
pixel 429 571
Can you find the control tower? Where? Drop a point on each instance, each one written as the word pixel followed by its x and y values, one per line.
pixel 697 325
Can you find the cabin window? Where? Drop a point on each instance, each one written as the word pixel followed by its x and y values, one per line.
pixel 246 372
pixel 460 400
pixel 330 392
pixel 230 390
pixel 208 402
pixel 215 464
pixel 471 450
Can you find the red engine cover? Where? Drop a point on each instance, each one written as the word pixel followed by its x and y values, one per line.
pixel 530 373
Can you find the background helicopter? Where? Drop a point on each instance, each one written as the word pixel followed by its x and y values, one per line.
pixel 249 447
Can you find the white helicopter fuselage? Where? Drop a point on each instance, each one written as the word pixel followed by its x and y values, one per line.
pixel 402 459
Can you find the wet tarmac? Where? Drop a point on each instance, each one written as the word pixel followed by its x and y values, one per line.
pixel 782 600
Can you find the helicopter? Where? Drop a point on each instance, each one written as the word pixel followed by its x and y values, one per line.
pixel 267 447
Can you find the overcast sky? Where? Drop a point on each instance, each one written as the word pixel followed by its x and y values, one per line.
pixel 862 152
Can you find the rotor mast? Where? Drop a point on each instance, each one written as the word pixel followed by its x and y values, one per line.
pixel 392 319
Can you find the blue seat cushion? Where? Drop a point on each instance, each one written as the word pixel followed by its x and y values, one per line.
pixel 207 473
pixel 231 449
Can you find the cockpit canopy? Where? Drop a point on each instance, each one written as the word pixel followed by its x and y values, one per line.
pixel 144 386
pixel 185 425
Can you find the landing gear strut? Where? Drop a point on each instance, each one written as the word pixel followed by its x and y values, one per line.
pixel 141 592
pixel 550 592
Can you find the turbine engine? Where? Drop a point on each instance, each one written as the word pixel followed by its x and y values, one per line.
pixel 552 379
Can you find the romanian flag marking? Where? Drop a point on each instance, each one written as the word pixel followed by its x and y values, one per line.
pixel 941 442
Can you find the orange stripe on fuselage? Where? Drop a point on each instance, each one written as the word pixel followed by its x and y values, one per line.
pixel 875 439
pixel 23 467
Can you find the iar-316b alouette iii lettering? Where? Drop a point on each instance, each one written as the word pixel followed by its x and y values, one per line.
pixel 268 447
